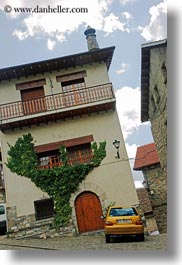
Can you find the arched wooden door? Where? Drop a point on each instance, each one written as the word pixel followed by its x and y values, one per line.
pixel 88 212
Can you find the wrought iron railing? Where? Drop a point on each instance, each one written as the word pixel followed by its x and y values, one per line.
pixel 56 101
pixel 54 161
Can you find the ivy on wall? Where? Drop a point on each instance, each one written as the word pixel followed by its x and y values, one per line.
pixel 59 182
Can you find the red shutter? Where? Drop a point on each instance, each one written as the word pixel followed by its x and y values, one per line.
pixel 33 100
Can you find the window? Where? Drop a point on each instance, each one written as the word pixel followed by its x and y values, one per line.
pixel 49 159
pixel 73 88
pixel 164 73
pixel 74 93
pixel 122 212
pixel 79 151
pixel 73 85
pixel 33 100
pixel 76 155
pixel 79 154
pixel 44 209
pixel 32 95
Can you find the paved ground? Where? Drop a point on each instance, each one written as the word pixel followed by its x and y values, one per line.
pixel 158 242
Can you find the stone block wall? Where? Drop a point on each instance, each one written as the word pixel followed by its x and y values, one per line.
pixel 158 92
pixel 158 196
pixel 27 226
pixel 160 213
pixel 151 224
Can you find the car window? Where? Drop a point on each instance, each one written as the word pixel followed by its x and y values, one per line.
pixel 2 210
pixel 122 212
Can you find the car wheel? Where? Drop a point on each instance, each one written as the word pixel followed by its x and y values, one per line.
pixel 108 239
pixel 141 237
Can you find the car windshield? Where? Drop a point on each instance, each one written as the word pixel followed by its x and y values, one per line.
pixel 122 212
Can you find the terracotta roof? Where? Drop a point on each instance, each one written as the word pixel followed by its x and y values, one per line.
pixel 146 155
pixel 144 200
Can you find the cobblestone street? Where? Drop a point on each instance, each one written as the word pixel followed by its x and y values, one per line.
pixel 158 242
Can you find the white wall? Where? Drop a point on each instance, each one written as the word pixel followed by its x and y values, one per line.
pixel 96 75
pixel 113 175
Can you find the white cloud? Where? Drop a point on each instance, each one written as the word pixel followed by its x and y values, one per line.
pixel 123 69
pixel 57 26
pixel 137 175
pixel 21 35
pixel 128 103
pixel 138 184
pixel 128 107
pixel 127 15
pixel 125 2
pixel 157 28
pixel 51 44
pixel 11 3
pixel 112 23
pixel 131 150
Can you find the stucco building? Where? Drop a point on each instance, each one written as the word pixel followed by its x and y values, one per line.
pixel 66 100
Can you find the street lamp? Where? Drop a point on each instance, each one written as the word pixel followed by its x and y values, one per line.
pixel 146 185
pixel 116 144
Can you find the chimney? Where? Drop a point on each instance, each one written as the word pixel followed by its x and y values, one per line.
pixel 91 39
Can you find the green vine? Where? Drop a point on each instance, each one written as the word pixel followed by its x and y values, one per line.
pixel 59 182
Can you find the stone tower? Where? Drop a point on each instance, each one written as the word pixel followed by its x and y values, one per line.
pixel 91 39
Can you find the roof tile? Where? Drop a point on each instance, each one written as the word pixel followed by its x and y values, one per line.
pixel 146 155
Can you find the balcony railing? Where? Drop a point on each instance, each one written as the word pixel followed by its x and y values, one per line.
pixel 56 102
pixel 54 161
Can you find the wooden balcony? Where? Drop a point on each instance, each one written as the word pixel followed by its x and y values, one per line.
pixel 54 161
pixel 55 107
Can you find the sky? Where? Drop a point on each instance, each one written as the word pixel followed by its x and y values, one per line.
pixel 126 24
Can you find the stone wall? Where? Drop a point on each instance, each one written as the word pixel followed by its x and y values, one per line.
pixel 27 226
pixel 160 213
pixel 145 208
pixel 159 131
pixel 151 224
pixel 158 118
pixel 158 102
pixel 158 195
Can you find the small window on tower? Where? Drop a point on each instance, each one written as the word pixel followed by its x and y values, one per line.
pixel 164 73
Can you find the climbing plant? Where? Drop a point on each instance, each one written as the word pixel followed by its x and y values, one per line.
pixel 59 182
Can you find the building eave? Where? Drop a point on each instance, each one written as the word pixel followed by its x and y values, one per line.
pixel 56 64
pixel 147 166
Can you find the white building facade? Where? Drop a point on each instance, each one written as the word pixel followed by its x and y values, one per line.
pixel 66 100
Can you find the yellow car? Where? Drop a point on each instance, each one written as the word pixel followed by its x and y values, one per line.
pixel 121 221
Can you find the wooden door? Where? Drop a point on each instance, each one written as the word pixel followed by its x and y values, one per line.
pixel 88 212
pixel 74 92
pixel 33 100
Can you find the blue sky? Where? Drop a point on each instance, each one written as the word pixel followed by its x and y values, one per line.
pixel 28 37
